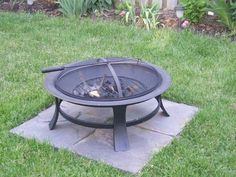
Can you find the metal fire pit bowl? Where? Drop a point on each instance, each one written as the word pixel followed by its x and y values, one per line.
pixel 107 82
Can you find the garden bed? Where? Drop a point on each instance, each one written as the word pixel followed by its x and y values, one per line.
pixel 209 24
pixel 49 9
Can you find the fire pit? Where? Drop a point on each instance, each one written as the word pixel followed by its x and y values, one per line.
pixel 107 82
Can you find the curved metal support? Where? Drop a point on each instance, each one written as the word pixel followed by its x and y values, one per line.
pixel 159 99
pixel 144 118
pixel 120 137
pixel 116 79
pixel 53 122
pixel 85 123
pixel 109 126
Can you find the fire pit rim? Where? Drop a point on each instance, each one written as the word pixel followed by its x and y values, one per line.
pixel 50 87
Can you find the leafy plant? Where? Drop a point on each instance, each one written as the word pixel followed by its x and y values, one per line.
pixel 149 16
pixel 233 9
pixel 226 11
pixel 80 7
pixel 130 16
pixel 194 9
pixel 71 7
pixel 100 5
pixel 122 6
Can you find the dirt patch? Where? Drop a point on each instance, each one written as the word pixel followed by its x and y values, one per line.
pixel 49 9
pixel 209 25
pixel 168 19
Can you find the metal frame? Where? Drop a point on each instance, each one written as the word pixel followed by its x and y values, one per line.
pixel 119 125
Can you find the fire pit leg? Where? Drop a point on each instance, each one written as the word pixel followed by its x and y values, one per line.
pixel 53 122
pixel 159 99
pixel 120 137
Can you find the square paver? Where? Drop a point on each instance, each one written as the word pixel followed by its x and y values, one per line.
pixel 144 139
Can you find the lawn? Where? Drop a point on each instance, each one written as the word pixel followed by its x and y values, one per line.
pixel 203 70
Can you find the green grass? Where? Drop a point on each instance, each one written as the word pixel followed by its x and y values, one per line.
pixel 203 70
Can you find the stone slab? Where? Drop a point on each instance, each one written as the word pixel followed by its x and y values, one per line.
pixel 180 115
pixel 144 139
pixel 66 134
pixel 143 143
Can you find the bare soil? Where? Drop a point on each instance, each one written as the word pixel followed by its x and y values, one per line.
pixel 49 9
pixel 209 25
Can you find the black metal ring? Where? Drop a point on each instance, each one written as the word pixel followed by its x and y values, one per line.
pixel 109 126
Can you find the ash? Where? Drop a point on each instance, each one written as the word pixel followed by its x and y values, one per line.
pixel 105 87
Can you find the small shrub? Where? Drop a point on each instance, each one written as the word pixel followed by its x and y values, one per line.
pixel 130 16
pixel 122 6
pixel 233 9
pixel 226 11
pixel 149 16
pixel 80 7
pixel 194 9
pixel 100 5
pixel 71 7
pixel 146 18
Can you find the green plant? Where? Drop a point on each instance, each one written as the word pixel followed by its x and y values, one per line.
pixel 233 9
pixel 123 6
pixel 194 9
pixel 80 7
pixel 72 7
pixel 149 16
pixel 130 16
pixel 226 11
pixel 100 5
